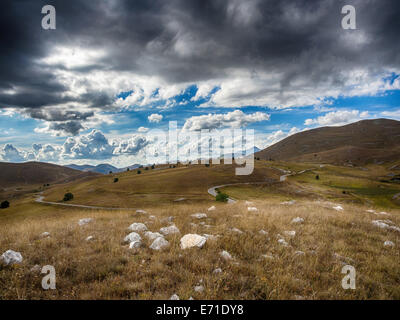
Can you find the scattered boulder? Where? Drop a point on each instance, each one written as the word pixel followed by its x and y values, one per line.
pixel 199 289
pixel 299 253
pixel 138 227
pixel 90 238
pixel 380 224
pixel 133 237
pixel 152 235
pixel 268 256
pixel 159 243
pixel 217 270
pixel 45 235
pixel 199 215
pixel 174 297
pixel 84 221
pixel 135 244
pixel 141 211
pixel 290 233
pixel 225 255
pixel 252 209
pixel 213 208
pixel 152 218
pixel 263 232
pixel 169 230
pixel 249 203
pixel 298 220
pixel 236 230
pixel 192 240
pixel 36 269
pixel 11 257
pixel 338 208
pixel 283 242
pixel 288 203
pixel 388 244
pixel 167 220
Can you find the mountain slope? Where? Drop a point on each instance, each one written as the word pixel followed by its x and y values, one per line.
pixel 29 173
pixel 361 142
pixel 101 168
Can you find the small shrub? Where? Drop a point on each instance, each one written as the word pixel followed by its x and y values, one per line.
pixel 207 165
pixel 110 172
pixel 152 167
pixel 116 180
pixel 147 168
pixel 317 177
pixel 222 197
pixel 68 196
pixel 5 205
pixel 139 172
pixel 127 169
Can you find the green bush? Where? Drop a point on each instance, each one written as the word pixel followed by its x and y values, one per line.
pixel 116 180
pixel 68 196
pixel 4 205
pixel 153 166
pixel 139 172
pixel 317 177
pixel 222 197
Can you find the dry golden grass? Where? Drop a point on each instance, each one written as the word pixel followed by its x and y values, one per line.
pixel 107 269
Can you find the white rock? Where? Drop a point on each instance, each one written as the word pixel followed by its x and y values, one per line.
pixel 288 203
pixel 338 208
pixel 84 221
pixel 168 219
pixel 174 297
pixel 199 289
pixel 249 203
pixel 213 208
pixel 169 230
pixel 299 253
pixel 236 230
pixel 133 237
pixel 36 269
pixel 225 255
pixel 138 227
pixel 192 240
pixel 152 235
pixel 382 213
pixel 218 270
pixel 45 235
pixel 371 211
pixel 252 209
pixel 141 211
pixel 380 224
pixel 135 244
pixel 290 233
pixel 11 257
pixel 90 238
pixel 199 215
pixel 152 218
pixel 191 298
pixel 263 232
pixel 283 242
pixel 159 243
pixel 394 228
pixel 298 220
pixel 388 244
pixel 268 256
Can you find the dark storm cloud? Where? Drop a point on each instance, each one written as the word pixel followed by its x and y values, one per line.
pixel 187 41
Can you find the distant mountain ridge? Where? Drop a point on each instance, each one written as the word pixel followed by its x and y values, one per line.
pixel 103 168
pixel 360 142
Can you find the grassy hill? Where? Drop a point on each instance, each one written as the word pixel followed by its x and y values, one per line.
pixel 362 142
pixel 31 173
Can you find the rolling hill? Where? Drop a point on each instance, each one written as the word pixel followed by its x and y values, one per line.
pixel 366 141
pixel 31 173
pixel 103 168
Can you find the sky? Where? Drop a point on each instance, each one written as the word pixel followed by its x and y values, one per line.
pixel 98 87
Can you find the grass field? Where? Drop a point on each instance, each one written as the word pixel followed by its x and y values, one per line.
pixel 309 267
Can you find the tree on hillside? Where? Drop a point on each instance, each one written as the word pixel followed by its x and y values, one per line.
pixel 317 177
pixel 139 172
pixel 116 180
pixel 153 166
pixel 222 197
pixel 4 205
pixel 68 196
pixel 127 169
